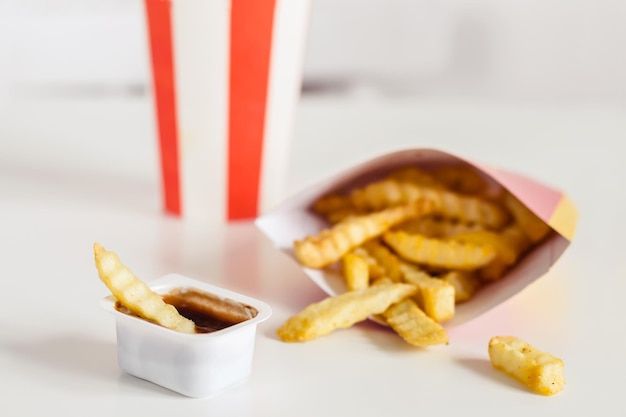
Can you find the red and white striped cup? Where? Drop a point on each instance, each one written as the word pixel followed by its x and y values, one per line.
pixel 226 77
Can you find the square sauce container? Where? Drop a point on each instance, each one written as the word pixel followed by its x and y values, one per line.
pixel 194 365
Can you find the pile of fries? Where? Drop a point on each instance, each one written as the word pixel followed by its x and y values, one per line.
pixel 411 246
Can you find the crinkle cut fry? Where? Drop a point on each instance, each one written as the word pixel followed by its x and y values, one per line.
pixel 135 295
pixel 535 228
pixel 515 238
pixel 436 297
pixel 386 259
pixel 355 271
pixel 389 192
pixel 341 311
pixel 330 245
pixel 413 325
pixel 465 284
pixel 439 253
pixel 414 175
pixel 462 179
pixel 330 203
pixel 432 226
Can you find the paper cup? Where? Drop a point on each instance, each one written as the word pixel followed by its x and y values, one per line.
pixel 293 220
pixel 226 78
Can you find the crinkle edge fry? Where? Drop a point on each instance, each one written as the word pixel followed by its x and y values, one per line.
pixel 135 295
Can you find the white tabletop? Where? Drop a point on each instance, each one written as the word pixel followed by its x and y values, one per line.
pixel 78 170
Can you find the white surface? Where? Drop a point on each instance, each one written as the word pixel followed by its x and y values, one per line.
pixel 77 171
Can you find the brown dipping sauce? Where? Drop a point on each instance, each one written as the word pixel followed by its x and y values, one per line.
pixel 208 311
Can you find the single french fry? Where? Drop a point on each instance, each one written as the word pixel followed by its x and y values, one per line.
pixel 330 203
pixel 389 192
pixel 330 245
pixel 515 237
pixel 355 271
pixel 432 226
pixel 374 268
pixel 462 179
pixel 517 241
pixel 439 253
pixel 383 281
pixel 465 284
pixel 535 228
pixel 135 295
pixel 413 325
pixel 414 175
pixel 504 251
pixel 387 260
pixel 436 296
pixel 342 214
pixel 540 371
pixel 341 311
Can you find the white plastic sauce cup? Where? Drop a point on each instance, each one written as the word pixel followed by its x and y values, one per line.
pixel 195 365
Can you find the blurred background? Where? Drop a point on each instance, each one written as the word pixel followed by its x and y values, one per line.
pixel 550 50
pixel 475 76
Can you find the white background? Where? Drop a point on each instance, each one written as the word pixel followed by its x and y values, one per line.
pixel 512 49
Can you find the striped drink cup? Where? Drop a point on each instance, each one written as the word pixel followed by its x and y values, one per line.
pixel 226 77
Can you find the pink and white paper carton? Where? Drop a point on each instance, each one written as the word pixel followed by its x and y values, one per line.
pixel 227 77
pixel 294 220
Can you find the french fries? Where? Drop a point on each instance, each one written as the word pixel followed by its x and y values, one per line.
pixel 450 254
pixel 540 371
pixel 436 296
pixel 385 259
pixel 445 232
pixel 135 295
pixel 414 326
pixel 343 310
pixel 389 192
pixel 356 271
pixel 465 284
pixel 331 244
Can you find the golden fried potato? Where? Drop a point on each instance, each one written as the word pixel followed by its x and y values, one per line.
pixel 465 284
pixel 447 231
pixel 341 311
pixel 414 175
pixel 535 228
pixel 439 253
pixel 342 214
pixel 469 209
pixel 330 203
pixel 539 371
pixel 375 270
pixel 135 295
pixel 414 326
pixel 432 226
pixel 462 179
pixel 436 296
pixel 517 242
pixel 504 251
pixel 516 238
pixel 355 271
pixel 330 245
pixel 386 259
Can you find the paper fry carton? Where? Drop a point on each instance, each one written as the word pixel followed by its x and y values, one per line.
pixel 294 220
